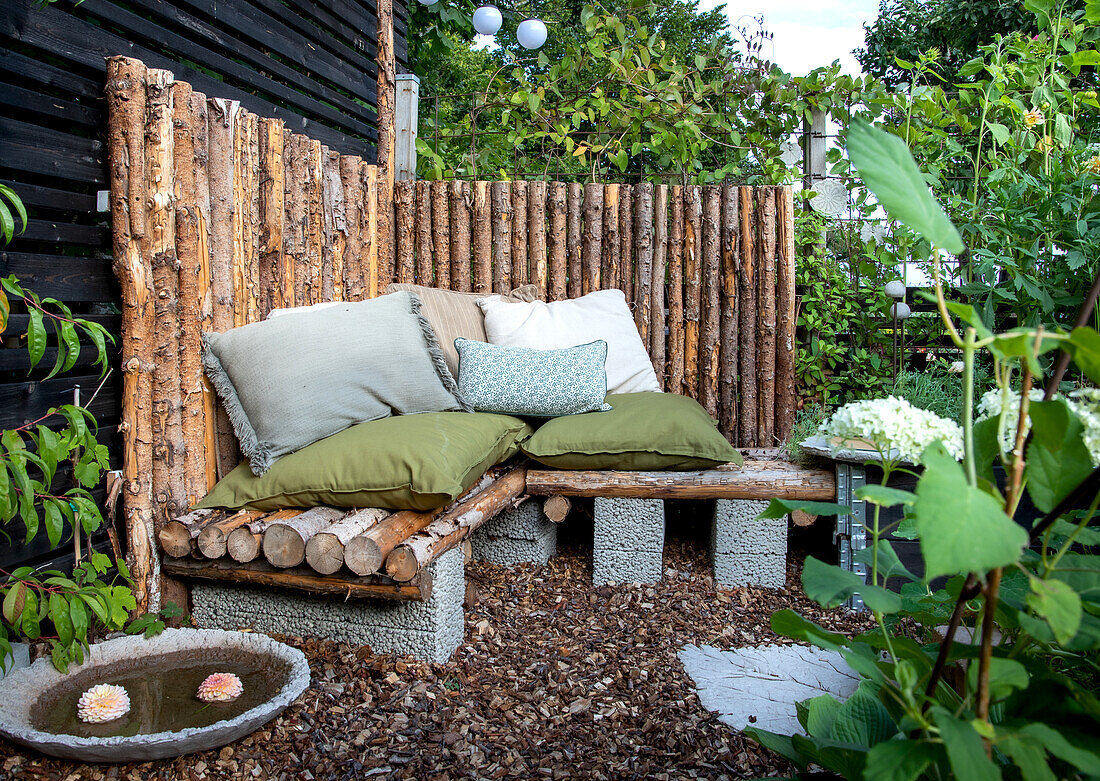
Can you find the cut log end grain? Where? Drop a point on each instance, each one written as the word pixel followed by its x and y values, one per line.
pixel 284 543
pixel 243 544
pixel 803 518
pixel 556 508
pixel 325 550
pixel 213 537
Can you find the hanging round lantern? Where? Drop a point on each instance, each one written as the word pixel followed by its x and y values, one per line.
pixel 428 2
pixel 830 197
pixel 487 20
pixel 901 311
pixel 895 289
pixel 531 33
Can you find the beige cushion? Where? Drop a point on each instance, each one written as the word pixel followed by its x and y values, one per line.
pixel 453 314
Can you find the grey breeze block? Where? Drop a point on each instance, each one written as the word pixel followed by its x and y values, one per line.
pixel 429 630
pixel 628 540
pixel 516 537
pixel 747 551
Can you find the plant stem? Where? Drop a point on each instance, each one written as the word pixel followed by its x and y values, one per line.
pixel 1083 315
pixel 968 406
pixel 986 657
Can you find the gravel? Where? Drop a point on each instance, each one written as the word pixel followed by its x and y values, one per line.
pixel 555 679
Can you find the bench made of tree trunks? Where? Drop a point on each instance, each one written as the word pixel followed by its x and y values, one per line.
pixel 220 216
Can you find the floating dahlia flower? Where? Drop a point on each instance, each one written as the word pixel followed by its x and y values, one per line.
pixel 1033 117
pixel 220 687
pixel 101 703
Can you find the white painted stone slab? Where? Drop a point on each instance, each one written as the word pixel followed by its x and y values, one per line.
pixel 765 682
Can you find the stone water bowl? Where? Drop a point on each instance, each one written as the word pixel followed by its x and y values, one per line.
pixel 161 675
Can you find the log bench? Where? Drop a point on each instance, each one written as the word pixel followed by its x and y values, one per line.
pixel 629 515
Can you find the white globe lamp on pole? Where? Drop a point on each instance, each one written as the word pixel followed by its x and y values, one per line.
pixel 428 2
pixel 531 33
pixel 487 20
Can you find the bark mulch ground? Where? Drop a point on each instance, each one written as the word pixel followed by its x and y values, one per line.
pixel 555 679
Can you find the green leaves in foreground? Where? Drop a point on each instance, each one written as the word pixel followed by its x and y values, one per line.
pixel 889 171
pixel 962 528
pixel 780 508
pixel 829 585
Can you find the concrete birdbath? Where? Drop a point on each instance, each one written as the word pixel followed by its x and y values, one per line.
pixel 161 676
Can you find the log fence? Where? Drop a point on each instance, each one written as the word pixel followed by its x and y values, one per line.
pixel 221 216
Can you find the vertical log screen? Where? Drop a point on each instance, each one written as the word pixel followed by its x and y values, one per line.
pixel 220 216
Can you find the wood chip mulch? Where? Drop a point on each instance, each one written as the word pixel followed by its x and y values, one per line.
pixel 555 679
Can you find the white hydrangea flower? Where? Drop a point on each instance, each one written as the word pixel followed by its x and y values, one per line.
pixel 894 425
pixel 1084 403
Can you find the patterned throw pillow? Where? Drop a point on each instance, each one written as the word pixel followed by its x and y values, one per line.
pixel 532 383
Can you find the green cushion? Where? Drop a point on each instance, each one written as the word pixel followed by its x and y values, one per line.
pixel 643 431
pixel 405 462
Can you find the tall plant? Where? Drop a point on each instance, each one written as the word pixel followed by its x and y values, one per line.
pixel 1010 684
pixel 63 608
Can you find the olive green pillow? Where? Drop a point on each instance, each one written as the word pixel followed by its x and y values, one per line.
pixel 405 462
pixel 643 431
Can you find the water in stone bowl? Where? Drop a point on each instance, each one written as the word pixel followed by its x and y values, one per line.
pixel 38 705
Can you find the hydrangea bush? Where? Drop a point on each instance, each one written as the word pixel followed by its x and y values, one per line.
pixel 897 428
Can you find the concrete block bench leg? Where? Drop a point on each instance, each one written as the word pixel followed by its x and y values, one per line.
pixel 429 630
pixel 628 541
pixel 748 552
pixel 516 537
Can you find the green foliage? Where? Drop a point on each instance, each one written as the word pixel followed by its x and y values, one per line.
pixel 32 603
pixel 1017 699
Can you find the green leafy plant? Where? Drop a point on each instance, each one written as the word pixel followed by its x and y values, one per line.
pixel 91 597
pixel 1008 688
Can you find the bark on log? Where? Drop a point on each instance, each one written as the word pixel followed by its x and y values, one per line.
pixel 626 241
pixel 365 553
pixel 246 233
pixel 746 294
pixel 711 269
pixel 425 268
pixel 536 236
pixel 574 251
pixel 756 480
pixel 354 214
pixel 295 255
pixel 372 269
pixel 334 214
pixel 483 238
pixel 272 210
pixel 765 387
pixel 259 573
pixel 785 398
pixel 675 292
pixel 404 195
pixel 285 542
pixel 441 230
pixel 212 538
pixel 556 508
pixel 126 102
pixel 178 536
pixel 593 244
pixel 657 282
pixel 409 558
pixel 325 550
pixel 460 236
pixel 693 207
pixel 502 219
pixel 519 234
pixel 609 256
pixel 189 120
pixel 385 235
pixel 316 271
pixel 556 285
pixel 221 128
pixel 643 259
pixel 727 391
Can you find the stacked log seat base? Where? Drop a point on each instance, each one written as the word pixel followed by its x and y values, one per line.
pixel 628 540
pixel 747 551
pixel 430 630
pixel 516 536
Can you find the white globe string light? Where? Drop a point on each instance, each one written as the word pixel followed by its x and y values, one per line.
pixel 895 289
pixel 428 2
pixel 531 33
pixel 487 20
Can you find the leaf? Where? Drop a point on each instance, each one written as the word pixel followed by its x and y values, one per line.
pixel 887 168
pixel 36 336
pixel 1084 345
pixel 55 523
pixel 889 565
pixel 1059 605
pixel 862 719
pixel 13 603
pixel 1029 756
pixel 885 496
pixel 78 614
pixel 964 747
pixel 817 714
pixel 62 623
pixel 1000 132
pixel 789 624
pixel 899 760
pixel 1057 744
pixel 1057 458
pixel 780 744
pixel 829 586
pixel 780 508
pixel 1005 677
pixel 951 515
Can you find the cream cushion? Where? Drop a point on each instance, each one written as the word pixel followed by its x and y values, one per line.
pixel 602 314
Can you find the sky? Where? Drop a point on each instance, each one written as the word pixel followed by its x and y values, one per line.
pixel 808 33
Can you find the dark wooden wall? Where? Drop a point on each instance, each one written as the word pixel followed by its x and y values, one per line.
pixel 310 63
